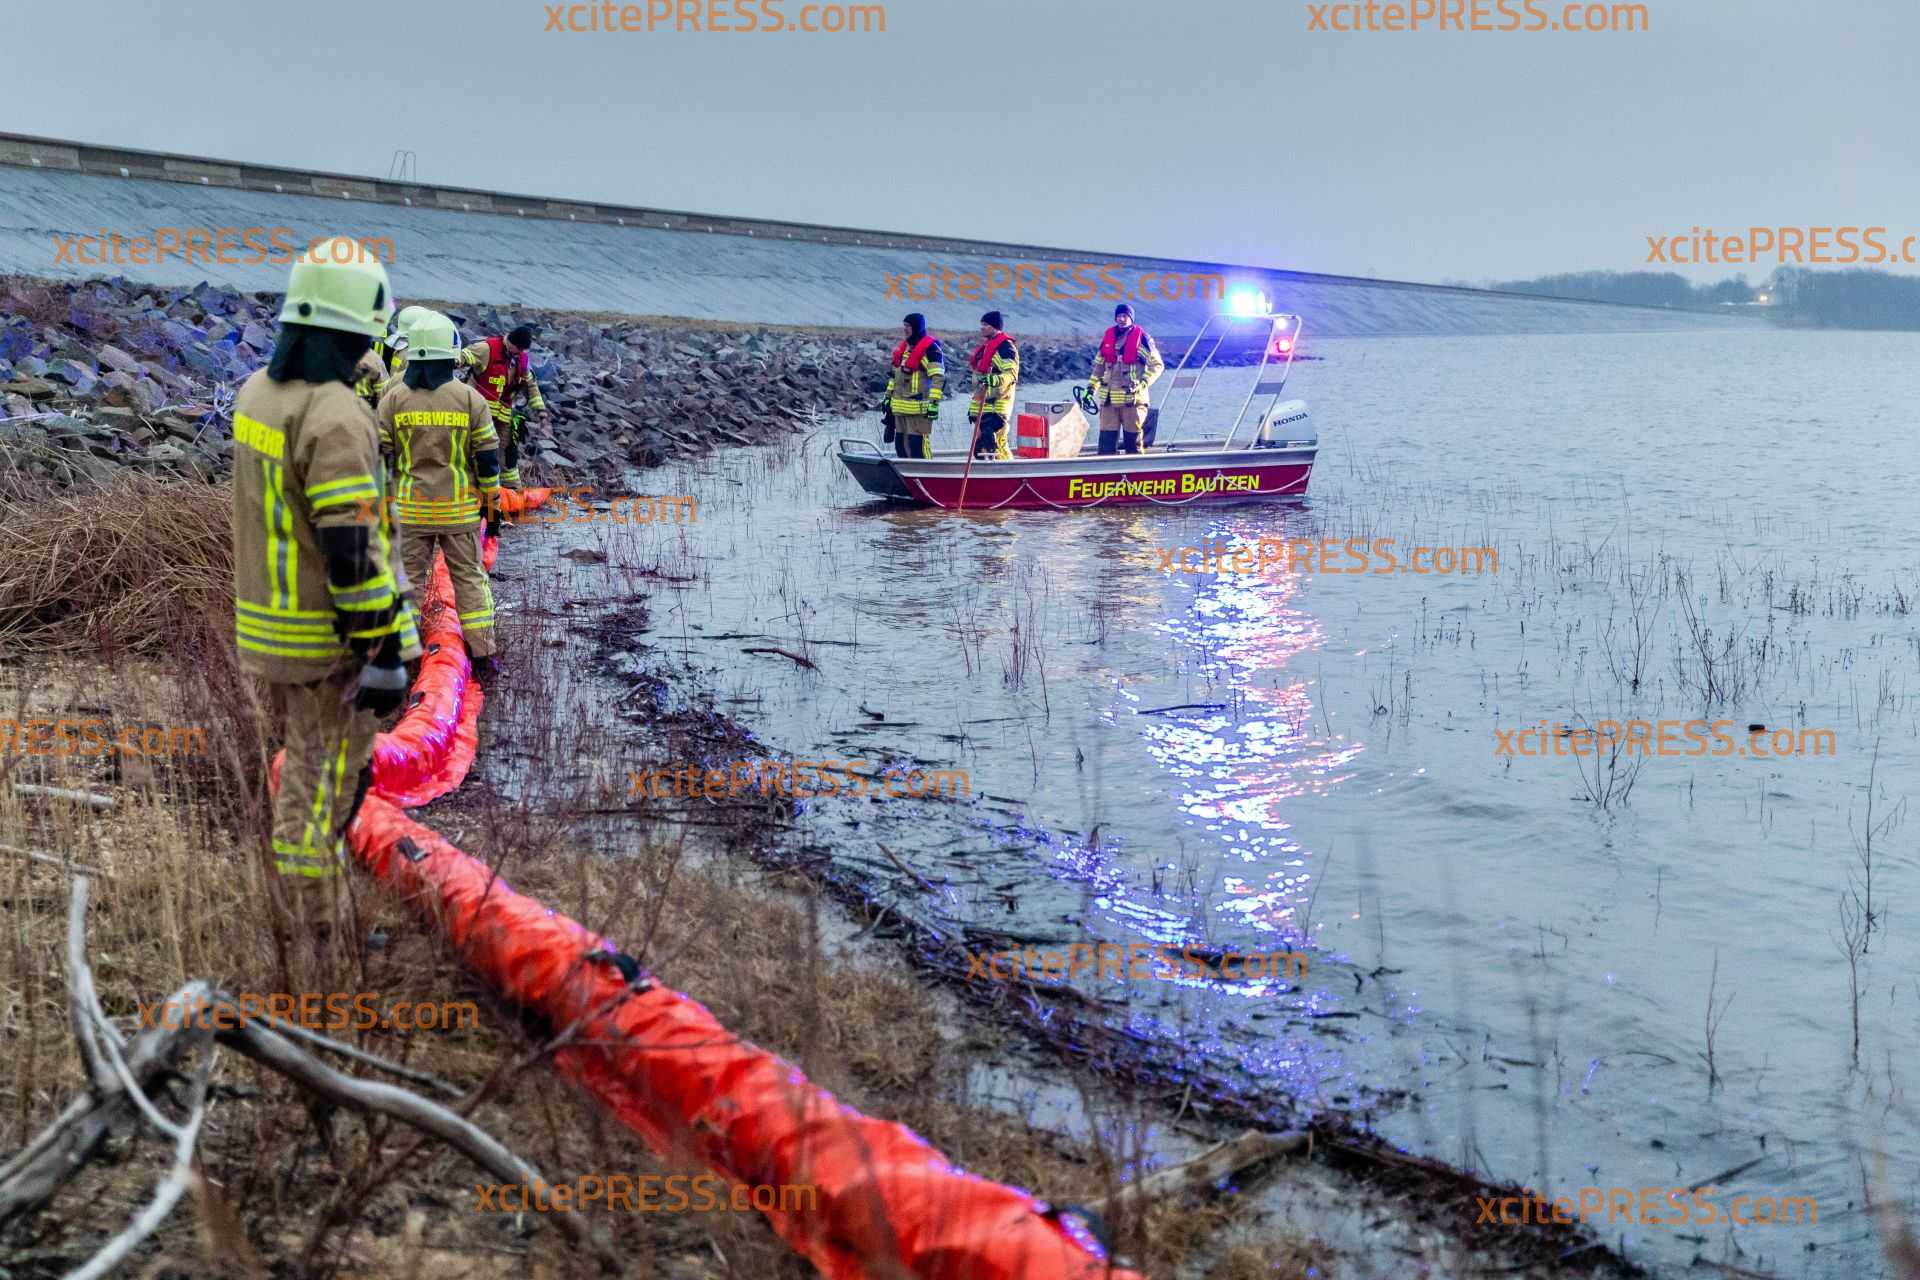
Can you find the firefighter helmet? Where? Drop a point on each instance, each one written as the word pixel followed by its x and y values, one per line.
pixel 431 337
pixel 337 285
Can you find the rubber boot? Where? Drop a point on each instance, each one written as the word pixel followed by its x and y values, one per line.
pixel 1132 442
pixel 900 444
pixel 1109 442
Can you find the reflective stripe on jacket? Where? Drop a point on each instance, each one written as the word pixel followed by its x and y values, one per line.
pixel 917 379
pixel 500 379
pixel 433 438
pixel 1125 368
pixel 996 373
pixel 305 457
pixel 369 376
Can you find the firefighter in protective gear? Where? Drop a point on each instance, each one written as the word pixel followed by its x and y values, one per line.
pixel 370 374
pixel 501 373
pixel 916 381
pixel 446 465
pixel 318 613
pixel 996 374
pixel 394 350
pixel 1126 366
pixel 380 367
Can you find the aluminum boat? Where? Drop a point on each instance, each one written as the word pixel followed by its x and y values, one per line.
pixel 1273 458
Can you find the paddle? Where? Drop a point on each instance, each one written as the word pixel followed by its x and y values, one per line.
pixel 967 475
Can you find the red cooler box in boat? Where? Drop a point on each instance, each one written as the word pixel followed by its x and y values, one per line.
pixel 1049 430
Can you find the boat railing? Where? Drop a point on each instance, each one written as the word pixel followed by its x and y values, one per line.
pixel 1283 336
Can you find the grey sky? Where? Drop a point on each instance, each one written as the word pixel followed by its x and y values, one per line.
pixel 1220 129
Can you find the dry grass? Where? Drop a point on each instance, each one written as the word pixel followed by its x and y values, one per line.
pixel 134 563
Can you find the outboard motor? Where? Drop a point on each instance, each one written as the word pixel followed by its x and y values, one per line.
pixel 1287 426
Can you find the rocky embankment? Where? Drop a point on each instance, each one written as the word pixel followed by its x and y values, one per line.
pixel 111 373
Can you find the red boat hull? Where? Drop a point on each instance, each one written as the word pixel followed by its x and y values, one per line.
pixel 1161 479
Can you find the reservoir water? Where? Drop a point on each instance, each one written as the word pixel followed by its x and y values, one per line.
pixel 1514 959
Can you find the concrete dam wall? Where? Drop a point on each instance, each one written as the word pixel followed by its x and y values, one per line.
pixel 470 246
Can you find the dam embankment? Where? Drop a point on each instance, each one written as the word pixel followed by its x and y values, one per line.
pixel 465 245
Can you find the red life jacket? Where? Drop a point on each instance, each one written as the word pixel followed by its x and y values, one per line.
pixel 983 358
pixel 913 360
pixel 499 365
pixel 1131 355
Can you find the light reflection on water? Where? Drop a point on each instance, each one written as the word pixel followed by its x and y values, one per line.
pixel 1246 765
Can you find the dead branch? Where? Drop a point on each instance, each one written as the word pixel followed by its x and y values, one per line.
pixel 92 799
pixel 32 1176
pixel 52 861
pixel 895 858
pixel 1206 1169
pixel 373 1060
pixel 273 1050
pixel 179 1178
pixel 805 662
pixel 192 1018
pixel 79 1003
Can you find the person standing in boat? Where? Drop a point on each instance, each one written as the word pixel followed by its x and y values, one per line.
pixel 996 373
pixel 915 383
pixel 1126 366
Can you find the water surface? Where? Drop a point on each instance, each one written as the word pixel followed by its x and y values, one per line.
pixel 1534 967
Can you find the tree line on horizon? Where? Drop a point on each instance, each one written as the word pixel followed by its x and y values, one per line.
pixel 1857 299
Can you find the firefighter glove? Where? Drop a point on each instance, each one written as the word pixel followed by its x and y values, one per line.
pixel 383 681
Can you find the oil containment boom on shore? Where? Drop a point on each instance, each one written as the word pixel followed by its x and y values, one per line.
pixel 884 1201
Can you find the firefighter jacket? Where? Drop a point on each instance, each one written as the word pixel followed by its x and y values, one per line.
pixel 312 562
pixel 436 440
pixel 500 377
pixel 996 372
pixel 377 370
pixel 1126 366
pixel 397 363
pixel 917 379
pixel 368 376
